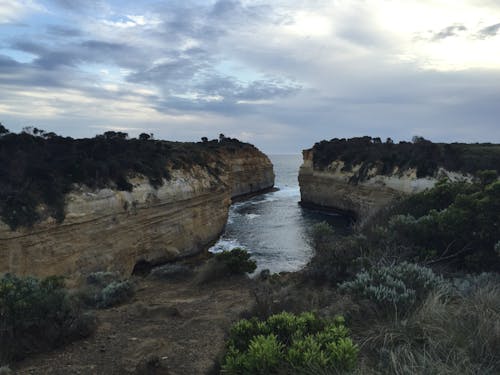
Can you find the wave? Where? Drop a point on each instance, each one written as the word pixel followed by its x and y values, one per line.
pixel 225 244
pixel 251 216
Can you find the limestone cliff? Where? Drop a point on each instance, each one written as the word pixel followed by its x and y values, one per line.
pixel 249 174
pixel 110 229
pixel 362 188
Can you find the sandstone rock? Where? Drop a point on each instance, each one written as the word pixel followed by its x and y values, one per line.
pixel 108 230
pixel 331 188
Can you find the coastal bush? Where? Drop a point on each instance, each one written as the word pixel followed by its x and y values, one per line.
pixel 227 263
pixel 446 334
pixel 171 271
pixel 334 259
pixel 394 289
pixel 36 315
pixel 467 285
pixel 453 223
pixel 102 278
pixel 115 293
pixel 236 261
pixel 38 169
pixel 105 289
pixel 289 343
pixel 423 155
pixel 290 292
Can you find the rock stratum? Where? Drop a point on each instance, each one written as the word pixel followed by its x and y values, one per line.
pixel 108 229
pixel 359 176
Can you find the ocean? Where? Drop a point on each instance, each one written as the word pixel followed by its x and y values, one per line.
pixel 273 227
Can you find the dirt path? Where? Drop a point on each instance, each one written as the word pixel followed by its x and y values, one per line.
pixel 168 328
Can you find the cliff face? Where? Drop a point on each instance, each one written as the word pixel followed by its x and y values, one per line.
pixel 249 174
pixel 338 188
pixel 113 230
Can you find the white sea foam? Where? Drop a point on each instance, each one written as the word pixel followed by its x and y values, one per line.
pixel 251 216
pixel 287 192
pixel 225 244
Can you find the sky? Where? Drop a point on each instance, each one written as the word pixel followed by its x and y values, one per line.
pixel 279 74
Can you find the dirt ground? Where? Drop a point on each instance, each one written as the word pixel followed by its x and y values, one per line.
pixel 170 327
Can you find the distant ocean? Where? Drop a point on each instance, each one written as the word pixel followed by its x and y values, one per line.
pixel 273 227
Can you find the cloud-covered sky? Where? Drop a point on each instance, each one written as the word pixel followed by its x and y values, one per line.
pixel 281 74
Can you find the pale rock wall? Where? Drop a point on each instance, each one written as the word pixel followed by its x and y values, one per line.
pixel 113 230
pixel 331 189
pixel 251 174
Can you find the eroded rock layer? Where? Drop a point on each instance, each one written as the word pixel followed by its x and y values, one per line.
pixel 340 189
pixel 115 230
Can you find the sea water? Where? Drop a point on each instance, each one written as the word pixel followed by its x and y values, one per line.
pixel 273 227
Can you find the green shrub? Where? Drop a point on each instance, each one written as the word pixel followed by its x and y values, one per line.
pixel 50 165
pixel 289 343
pixel 487 177
pixel 321 236
pixel 334 259
pixel 236 261
pixel 105 289
pixel 171 271
pixel 115 293
pixel 423 155
pixel 36 315
pixel 467 285
pixel 446 334
pixel 226 264
pixel 454 224
pixel 394 288
pixel 102 278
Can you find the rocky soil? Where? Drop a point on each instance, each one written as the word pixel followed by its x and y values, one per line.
pixel 170 327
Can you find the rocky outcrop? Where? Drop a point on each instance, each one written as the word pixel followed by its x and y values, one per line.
pixel 249 174
pixel 115 230
pixel 337 188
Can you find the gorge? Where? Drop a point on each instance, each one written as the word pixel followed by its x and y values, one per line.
pixel 112 229
pixel 359 176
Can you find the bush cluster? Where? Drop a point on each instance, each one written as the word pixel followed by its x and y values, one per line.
pixel 236 261
pixel 447 334
pixel 106 289
pixel 454 222
pixel 289 343
pixel 39 168
pixel 394 288
pixel 335 259
pixel 227 263
pixel 36 315
pixel 421 154
pixel 171 271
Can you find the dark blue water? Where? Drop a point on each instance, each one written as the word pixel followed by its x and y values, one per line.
pixel 273 227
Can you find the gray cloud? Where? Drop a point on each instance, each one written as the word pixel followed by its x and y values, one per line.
pixel 489 31
pixel 220 64
pixel 79 5
pixel 63 31
pixel 448 32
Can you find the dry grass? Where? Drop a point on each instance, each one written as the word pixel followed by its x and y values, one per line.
pixel 446 335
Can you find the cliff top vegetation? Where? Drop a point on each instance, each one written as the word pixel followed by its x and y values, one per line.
pixel 39 168
pixel 423 155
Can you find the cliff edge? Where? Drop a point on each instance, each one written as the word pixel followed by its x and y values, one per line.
pixel 117 203
pixel 359 176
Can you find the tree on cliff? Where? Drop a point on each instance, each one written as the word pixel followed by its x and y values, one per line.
pixel 3 130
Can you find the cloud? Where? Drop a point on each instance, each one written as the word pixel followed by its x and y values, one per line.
pixel 79 5
pixel 489 31
pixel 63 31
pixel 450 31
pixel 15 10
pixel 283 74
